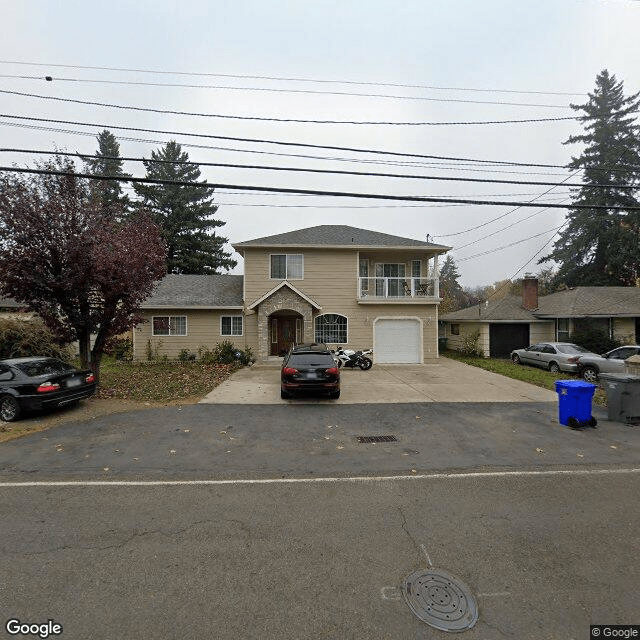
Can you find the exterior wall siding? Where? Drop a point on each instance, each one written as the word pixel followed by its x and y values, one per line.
pixel 542 332
pixel 467 328
pixel 203 330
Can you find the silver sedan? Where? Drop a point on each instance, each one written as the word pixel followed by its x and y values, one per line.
pixel 554 356
pixel 611 362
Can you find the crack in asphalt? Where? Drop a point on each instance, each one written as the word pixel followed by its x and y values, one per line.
pixel 406 530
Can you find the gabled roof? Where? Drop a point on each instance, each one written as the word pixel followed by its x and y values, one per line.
pixel 339 235
pixel 204 291
pixel 507 309
pixel 287 284
pixel 590 301
pixel 572 303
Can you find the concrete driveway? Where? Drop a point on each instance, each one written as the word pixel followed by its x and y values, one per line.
pixel 443 380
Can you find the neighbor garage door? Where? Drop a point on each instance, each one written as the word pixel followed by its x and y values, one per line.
pixel 504 338
pixel 397 341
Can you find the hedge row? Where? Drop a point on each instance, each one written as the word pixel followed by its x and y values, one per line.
pixel 23 338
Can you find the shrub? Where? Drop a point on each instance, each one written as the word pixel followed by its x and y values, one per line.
pixel 595 340
pixel 24 338
pixel 226 353
pixel 470 345
pixel 186 355
pixel 119 348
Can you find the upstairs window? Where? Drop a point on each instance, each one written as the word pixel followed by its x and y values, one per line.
pixel 289 266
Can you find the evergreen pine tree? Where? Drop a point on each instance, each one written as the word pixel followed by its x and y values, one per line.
pixel 184 213
pixel 453 297
pixel 107 162
pixel 599 246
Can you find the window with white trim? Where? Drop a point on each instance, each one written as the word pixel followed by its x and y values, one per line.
pixel 169 326
pixel 416 268
pixel 331 328
pixel 287 266
pixel 231 325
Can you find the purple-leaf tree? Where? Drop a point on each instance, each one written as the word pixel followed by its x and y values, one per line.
pixel 65 258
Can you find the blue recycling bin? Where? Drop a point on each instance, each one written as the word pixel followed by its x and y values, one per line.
pixel 574 402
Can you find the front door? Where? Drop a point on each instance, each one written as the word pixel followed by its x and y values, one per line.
pixel 283 334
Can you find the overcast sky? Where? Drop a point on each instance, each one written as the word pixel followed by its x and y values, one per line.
pixel 467 51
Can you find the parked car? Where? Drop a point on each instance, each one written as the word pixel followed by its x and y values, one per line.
pixel 554 356
pixel 309 367
pixel 611 362
pixel 40 383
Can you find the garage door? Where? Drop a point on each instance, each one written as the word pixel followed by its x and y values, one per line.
pixel 397 341
pixel 504 338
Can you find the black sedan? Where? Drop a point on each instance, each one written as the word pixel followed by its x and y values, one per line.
pixel 310 367
pixel 40 383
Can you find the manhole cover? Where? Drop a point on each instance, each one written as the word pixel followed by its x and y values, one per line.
pixel 440 600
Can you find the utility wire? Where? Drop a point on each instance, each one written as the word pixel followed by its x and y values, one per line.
pixel 266 119
pixel 506 246
pixel 298 144
pixel 277 90
pixel 338 194
pixel 288 79
pixel 403 176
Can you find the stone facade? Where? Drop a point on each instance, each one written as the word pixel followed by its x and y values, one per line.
pixel 282 300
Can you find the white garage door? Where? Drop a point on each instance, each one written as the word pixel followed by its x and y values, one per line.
pixel 397 341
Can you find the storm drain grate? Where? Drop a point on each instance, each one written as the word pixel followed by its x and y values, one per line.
pixel 366 439
pixel 440 599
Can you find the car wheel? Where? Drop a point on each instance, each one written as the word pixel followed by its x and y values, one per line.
pixel 9 409
pixel 590 374
pixel 553 367
pixel 334 395
pixel 515 358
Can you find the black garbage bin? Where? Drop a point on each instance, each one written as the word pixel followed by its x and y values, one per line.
pixel 623 397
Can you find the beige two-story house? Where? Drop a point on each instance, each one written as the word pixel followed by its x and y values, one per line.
pixel 331 283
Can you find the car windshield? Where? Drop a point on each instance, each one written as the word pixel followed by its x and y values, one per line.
pixel 571 348
pixel 311 360
pixel 43 367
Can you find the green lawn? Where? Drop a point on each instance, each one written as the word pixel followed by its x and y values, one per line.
pixel 159 381
pixel 525 373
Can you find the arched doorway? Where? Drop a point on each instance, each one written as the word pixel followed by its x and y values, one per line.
pixel 286 328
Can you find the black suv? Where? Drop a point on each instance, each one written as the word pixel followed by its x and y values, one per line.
pixel 309 367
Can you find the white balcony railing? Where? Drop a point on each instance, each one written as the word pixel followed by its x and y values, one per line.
pixel 398 288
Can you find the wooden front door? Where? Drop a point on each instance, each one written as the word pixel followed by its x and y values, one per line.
pixel 283 334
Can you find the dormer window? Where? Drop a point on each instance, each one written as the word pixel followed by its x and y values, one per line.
pixel 287 266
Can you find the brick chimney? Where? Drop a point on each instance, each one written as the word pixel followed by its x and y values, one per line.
pixel 529 292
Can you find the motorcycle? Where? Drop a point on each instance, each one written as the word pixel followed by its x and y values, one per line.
pixel 351 358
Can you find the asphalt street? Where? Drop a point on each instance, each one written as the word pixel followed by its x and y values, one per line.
pixel 274 522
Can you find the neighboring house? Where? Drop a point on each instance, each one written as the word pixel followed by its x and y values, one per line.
pixel 13 310
pixel 331 283
pixel 515 322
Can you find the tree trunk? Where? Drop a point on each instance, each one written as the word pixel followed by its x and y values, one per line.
pixel 84 340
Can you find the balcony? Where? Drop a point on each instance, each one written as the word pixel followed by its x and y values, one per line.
pixel 395 289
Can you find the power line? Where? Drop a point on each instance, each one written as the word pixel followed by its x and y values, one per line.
pixel 290 79
pixel 278 90
pixel 299 144
pixel 403 176
pixel 267 119
pixel 337 194
pixel 506 246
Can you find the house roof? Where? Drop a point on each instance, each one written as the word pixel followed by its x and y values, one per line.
pixel 572 303
pixel 590 301
pixel 339 235
pixel 9 303
pixel 204 291
pixel 504 309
